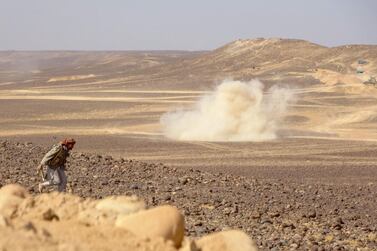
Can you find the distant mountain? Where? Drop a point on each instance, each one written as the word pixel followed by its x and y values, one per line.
pixel 287 60
pixel 260 57
pixel 284 60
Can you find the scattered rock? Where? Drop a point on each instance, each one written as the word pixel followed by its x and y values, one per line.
pixel 266 221
pixel 134 186
pixel 274 214
pixel 255 215
pixel 312 214
pixel 288 225
pixel 247 200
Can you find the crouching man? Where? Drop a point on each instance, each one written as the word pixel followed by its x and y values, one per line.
pixel 55 161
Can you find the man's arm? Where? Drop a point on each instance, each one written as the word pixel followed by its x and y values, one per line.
pixel 48 156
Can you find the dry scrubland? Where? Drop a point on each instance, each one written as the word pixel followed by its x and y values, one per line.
pixel 311 188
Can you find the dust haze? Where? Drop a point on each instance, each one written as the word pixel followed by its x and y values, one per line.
pixel 234 111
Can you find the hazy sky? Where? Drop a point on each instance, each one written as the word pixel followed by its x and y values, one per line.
pixel 180 25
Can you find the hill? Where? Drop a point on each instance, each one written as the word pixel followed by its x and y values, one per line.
pixel 285 60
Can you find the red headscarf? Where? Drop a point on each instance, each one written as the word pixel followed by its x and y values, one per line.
pixel 68 141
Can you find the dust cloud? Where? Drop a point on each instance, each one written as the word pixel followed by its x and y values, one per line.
pixel 234 111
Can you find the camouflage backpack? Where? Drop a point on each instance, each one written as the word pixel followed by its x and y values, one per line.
pixel 58 156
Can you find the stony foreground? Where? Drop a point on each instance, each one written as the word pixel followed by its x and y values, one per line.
pixel 276 214
pixel 59 221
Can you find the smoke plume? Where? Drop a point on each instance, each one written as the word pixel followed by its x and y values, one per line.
pixel 234 111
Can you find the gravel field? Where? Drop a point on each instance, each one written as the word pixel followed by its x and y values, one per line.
pixel 278 214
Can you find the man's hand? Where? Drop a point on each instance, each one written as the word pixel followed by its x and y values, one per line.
pixel 39 168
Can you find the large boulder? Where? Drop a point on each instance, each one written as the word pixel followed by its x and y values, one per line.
pixel 121 204
pixel 44 206
pixel 108 209
pixel 15 190
pixel 11 197
pixel 232 240
pixel 164 221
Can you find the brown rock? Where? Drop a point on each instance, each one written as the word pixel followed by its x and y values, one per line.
pixel 164 221
pixel 121 204
pixel 232 240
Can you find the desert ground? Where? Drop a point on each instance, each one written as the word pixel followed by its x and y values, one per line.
pixel 112 102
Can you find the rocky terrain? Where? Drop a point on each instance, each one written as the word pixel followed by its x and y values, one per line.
pixel 59 221
pixel 276 214
pixel 311 189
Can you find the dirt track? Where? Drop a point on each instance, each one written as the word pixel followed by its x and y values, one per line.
pixel 277 213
